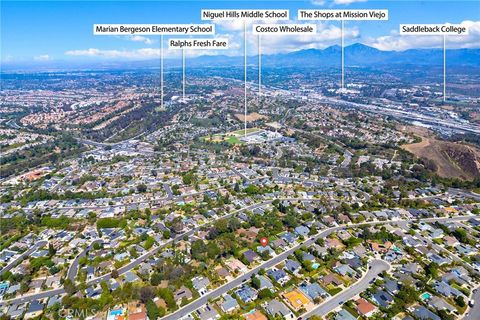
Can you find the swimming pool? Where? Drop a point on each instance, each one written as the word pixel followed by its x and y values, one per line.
pixel 116 312
pixel 425 296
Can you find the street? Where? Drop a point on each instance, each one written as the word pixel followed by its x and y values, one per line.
pixel 375 268
pixel 73 270
pixel 34 248
pixel 194 305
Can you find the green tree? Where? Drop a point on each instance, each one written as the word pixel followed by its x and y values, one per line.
pixel 69 287
pixel 152 310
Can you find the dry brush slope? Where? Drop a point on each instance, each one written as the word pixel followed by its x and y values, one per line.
pixel 450 159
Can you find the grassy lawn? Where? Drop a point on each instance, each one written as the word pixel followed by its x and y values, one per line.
pixel 231 137
pixel 234 140
pixel 334 291
pixel 352 311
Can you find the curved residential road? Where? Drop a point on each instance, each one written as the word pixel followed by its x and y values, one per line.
pixel 375 268
pixel 472 313
pixel 464 193
pixel 215 293
pixel 34 248
pixel 73 269
pixel 131 265
pixel 194 305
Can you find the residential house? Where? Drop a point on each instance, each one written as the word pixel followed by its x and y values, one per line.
pixel 296 299
pixel 276 308
pixel 383 298
pixel 446 290
pixel 365 308
pixel 302 231
pixel 254 315
pixel 207 312
pixel 292 266
pixel 344 315
pixel 250 256
pixel 423 313
pixel 313 291
pixel 391 286
pixel 289 237
pixel 181 294
pixel 246 294
pixel 265 283
pixel 229 304
pixel 200 284
pixel 278 275
pixel 236 265
pixel 34 310
pixel 438 304
pixel 344 270
pixel 329 279
pixel 279 243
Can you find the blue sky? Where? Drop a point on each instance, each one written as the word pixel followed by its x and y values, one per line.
pixel 61 30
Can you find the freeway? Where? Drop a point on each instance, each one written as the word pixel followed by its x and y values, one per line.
pixel 73 269
pixel 403 114
pixel 107 144
pixel 376 267
pixel 34 248
pixel 194 305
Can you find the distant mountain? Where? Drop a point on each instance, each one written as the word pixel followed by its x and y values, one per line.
pixel 362 55
pixel 355 55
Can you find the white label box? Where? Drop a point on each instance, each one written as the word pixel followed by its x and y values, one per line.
pixel 337 14
pixel 217 43
pixel 433 29
pixel 248 14
pixel 279 29
pixel 153 29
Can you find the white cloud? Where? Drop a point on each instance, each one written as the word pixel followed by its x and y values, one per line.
pixel 347 2
pixel 398 42
pixel 43 57
pixel 318 2
pixel 327 35
pixel 231 25
pixel 333 2
pixel 143 39
pixel 137 38
pixel 144 53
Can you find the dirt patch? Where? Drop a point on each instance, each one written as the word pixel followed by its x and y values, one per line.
pixel 250 117
pixel 416 130
pixel 475 116
pixel 448 159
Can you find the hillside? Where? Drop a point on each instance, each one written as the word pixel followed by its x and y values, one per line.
pixel 448 159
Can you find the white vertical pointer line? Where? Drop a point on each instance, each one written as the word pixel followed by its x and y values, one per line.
pixel 183 73
pixel 161 70
pixel 444 68
pixel 245 71
pixel 343 57
pixel 259 64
